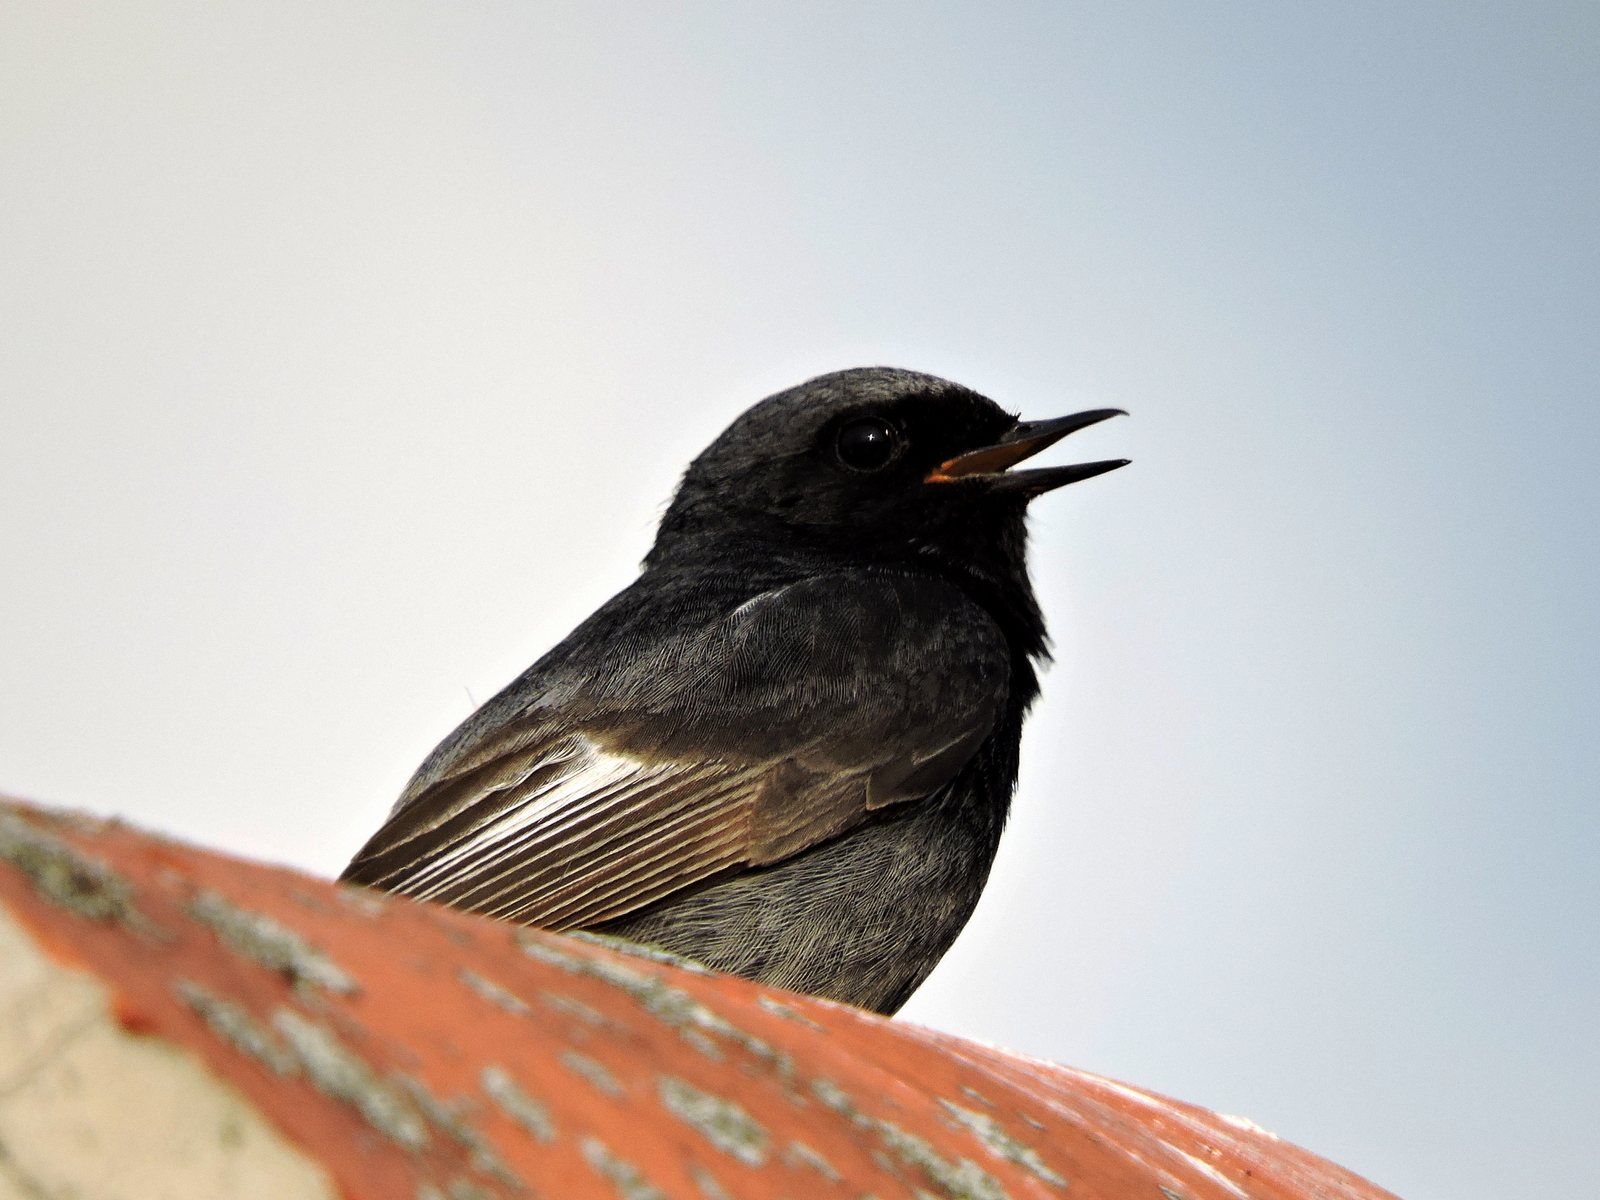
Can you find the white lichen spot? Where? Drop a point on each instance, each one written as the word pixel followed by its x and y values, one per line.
pixel 1001 1144
pixel 801 1154
pixel 363 901
pixel 626 1178
pixel 492 992
pixel 720 1121
pixel 671 1005
pixel 593 1071
pixel 567 1006
pixel 960 1180
pixel 707 1183
pixel 649 953
pixel 67 877
pixel 539 949
pixel 273 945
pixel 234 1025
pixel 521 1107
pixel 343 1075
pixel 779 1009
pixel 450 1119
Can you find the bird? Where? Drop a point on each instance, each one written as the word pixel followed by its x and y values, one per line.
pixel 787 750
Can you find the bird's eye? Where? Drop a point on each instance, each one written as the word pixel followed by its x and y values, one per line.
pixel 867 444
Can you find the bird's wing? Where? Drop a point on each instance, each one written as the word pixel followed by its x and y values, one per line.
pixel 670 759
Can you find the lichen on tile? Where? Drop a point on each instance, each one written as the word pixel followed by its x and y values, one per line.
pixel 270 943
pixel 1001 1144
pixel 64 875
pixel 521 1107
pixel 720 1121
pixel 340 1073
pixel 233 1023
pixel 630 1182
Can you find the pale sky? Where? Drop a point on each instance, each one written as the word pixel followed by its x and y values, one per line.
pixel 348 353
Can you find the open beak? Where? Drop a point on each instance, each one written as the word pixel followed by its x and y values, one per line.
pixel 991 463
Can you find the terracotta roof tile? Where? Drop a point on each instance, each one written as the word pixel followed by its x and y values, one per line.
pixel 413 1051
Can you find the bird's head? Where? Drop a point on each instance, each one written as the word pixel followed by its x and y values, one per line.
pixel 876 463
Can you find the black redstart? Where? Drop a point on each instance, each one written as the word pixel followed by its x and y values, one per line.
pixel 788 749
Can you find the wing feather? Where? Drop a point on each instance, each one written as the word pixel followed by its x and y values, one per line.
pixel 775 725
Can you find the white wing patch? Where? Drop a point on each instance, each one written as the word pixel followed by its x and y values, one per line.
pixel 578 834
pixel 586 775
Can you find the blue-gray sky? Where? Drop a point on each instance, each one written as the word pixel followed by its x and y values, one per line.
pixel 348 353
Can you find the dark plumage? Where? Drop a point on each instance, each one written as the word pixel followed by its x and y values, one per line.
pixel 788 749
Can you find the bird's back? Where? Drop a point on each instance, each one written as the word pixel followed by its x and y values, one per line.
pixel 778 775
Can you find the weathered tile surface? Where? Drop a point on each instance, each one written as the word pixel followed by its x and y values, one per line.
pixel 404 1051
